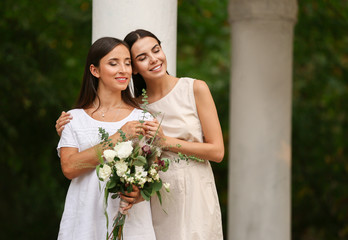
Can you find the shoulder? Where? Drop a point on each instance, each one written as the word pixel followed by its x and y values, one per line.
pixel 78 116
pixel 200 87
pixel 76 111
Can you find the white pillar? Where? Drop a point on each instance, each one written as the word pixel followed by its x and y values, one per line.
pixel 260 119
pixel 116 18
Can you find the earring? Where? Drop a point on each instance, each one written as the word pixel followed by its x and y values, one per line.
pixel 131 87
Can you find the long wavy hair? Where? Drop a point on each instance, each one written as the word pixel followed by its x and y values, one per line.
pixel 90 83
pixel 130 39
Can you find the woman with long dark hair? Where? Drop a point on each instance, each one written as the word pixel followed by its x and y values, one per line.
pixel 104 101
pixel 191 126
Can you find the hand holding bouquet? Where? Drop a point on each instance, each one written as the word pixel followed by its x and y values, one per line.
pixel 130 163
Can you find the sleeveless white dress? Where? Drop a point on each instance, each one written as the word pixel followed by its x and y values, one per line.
pixel 83 217
pixel 191 210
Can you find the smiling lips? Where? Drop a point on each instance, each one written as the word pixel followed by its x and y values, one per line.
pixel 158 67
pixel 121 79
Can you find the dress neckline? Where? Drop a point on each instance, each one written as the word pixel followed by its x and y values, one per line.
pixel 103 122
pixel 168 94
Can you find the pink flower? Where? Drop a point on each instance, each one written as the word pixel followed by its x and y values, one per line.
pixel 146 149
pixel 161 163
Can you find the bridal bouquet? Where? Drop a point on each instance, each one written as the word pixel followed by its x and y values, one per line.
pixel 130 162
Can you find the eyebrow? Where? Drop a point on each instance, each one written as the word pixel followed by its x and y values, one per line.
pixel 156 45
pixel 117 59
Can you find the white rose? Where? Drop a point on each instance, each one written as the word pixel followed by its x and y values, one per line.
pixel 166 186
pixel 109 155
pixel 105 172
pixel 123 149
pixel 121 168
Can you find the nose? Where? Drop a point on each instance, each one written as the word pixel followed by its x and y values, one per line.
pixel 153 59
pixel 123 68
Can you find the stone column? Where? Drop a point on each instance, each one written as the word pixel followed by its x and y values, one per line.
pixel 260 119
pixel 116 18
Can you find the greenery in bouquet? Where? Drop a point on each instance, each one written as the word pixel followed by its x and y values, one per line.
pixel 130 162
pixel 135 162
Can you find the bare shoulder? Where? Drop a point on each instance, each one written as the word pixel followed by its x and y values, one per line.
pixel 200 87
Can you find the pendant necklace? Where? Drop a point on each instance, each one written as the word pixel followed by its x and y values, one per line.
pixel 104 112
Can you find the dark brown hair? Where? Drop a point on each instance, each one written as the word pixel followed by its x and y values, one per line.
pixel 90 83
pixel 130 39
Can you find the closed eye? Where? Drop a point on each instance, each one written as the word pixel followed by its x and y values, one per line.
pixel 142 58
pixel 156 49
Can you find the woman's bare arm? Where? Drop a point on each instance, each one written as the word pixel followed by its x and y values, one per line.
pixel 213 146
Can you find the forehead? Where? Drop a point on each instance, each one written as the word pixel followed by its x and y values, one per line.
pixel 119 52
pixel 143 45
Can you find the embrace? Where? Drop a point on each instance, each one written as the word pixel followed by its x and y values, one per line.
pixel 187 123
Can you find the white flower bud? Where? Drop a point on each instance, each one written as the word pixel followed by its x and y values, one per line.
pixel 166 186
pixel 109 155
pixel 105 172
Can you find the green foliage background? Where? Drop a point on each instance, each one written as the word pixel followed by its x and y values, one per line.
pixel 43 48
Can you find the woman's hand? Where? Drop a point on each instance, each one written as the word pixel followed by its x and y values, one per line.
pixel 131 129
pixel 132 197
pixel 151 129
pixel 63 119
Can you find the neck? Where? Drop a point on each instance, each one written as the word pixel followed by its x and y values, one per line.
pixel 108 99
pixel 157 88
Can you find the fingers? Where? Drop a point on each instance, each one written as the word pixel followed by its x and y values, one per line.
pixel 150 133
pixel 129 199
pixel 64 117
pixel 132 197
pixel 133 129
pixel 59 130
pixel 153 128
pixel 130 205
pixel 153 123
pixel 62 121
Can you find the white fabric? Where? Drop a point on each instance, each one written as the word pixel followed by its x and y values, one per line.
pixel 83 216
pixel 191 208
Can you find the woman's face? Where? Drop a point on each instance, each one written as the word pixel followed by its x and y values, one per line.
pixel 115 70
pixel 148 58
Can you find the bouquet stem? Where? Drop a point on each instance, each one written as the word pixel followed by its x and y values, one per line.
pixel 117 231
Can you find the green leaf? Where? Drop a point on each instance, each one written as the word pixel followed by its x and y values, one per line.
pixel 106 195
pixel 122 134
pixel 97 170
pixel 157 186
pixel 159 197
pixel 139 161
pixel 130 188
pixel 143 194
pixel 113 196
pixel 110 184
